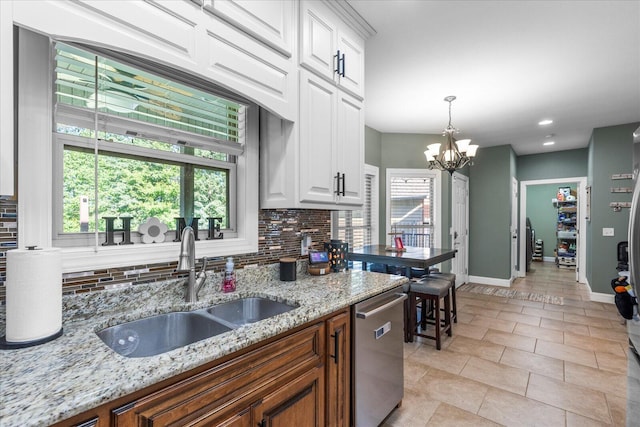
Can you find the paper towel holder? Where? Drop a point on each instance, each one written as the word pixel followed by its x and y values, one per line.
pixel 14 345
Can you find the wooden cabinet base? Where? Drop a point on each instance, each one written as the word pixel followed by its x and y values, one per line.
pixel 291 380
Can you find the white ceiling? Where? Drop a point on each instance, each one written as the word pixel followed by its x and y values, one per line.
pixel 510 64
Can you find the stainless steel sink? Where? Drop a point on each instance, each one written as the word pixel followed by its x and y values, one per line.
pixel 248 310
pixel 158 334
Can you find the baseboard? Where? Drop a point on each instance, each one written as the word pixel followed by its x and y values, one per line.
pixel 600 297
pixel 606 298
pixel 549 259
pixel 490 281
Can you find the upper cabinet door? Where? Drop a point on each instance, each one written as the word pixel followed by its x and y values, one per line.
pixel 318 126
pixel 318 39
pixel 329 48
pixel 352 64
pixel 7 157
pixel 349 145
pixel 270 21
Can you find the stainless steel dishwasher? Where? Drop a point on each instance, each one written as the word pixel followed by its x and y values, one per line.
pixel 378 357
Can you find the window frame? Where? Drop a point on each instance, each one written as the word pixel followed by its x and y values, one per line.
pixel 35 171
pixel 437 197
pixel 72 239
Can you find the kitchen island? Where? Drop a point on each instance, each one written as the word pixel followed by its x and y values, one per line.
pixel 77 372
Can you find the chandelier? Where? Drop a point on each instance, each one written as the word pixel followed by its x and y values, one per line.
pixel 454 154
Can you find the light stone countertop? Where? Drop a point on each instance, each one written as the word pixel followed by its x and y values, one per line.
pixel 76 372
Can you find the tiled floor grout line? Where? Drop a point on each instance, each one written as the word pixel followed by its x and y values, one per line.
pixel 582 331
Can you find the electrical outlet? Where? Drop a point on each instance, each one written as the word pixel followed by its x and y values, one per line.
pixel 305 244
pixel 607 232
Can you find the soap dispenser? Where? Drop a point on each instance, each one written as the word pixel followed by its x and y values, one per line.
pixel 229 282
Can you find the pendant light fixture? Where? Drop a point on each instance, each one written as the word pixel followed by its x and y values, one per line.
pixel 454 154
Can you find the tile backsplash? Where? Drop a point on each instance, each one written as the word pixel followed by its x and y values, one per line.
pixel 8 237
pixel 279 235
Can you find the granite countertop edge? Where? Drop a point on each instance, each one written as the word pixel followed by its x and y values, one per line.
pixel 45 384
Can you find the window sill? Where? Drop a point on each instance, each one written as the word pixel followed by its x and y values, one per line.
pixel 83 259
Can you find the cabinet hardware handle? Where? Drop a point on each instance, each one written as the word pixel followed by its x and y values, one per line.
pixel 337 190
pixel 336 344
pixel 262 423
pixel 344 180
pixel 339 70
pixel 343 64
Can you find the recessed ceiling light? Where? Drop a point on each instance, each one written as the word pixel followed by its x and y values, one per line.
pixel 549 143
pixel 545 122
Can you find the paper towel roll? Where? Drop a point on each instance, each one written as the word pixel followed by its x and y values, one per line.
pixel 34 294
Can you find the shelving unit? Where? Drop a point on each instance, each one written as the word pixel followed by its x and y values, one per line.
pixel 538 251
pixel 566 233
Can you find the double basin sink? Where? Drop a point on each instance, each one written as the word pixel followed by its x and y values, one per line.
pixel 158 334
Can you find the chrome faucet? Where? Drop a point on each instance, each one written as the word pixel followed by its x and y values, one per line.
pixel 187 262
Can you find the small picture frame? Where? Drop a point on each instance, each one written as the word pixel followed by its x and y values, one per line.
pixel 398 243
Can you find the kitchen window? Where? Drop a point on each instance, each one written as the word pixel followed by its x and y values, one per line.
pixel 359 227
pixel 413 206
pixel 129 138
pixel 136 144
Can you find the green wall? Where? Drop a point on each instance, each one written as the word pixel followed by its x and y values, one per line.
pixel 543 214
pixel 490 213
pixel 490 192
pixel 372 146
pixel 609 153
pixel 558 164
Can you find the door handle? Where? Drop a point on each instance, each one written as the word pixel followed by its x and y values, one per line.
pixel 336 344
pixel 337 58
pixel 339 70
pixel 365 314
pixel 340 178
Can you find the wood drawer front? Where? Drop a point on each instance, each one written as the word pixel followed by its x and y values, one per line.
pixel 222 388
pixel 300 403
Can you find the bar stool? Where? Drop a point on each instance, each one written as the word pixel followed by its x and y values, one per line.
pixel 429 290
pixel 435 273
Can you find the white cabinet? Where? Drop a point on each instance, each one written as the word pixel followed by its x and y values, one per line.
pixel 350 149
pixel 331 143
pixel 270 21
pixel 317 163
pixel 331 49
pixel 243 46
pixel 7 157
pixel 319 178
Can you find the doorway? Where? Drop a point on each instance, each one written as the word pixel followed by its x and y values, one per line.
pixel 460 227
pixel 581 184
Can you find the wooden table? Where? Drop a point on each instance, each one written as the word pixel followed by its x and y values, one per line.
pixel 412 257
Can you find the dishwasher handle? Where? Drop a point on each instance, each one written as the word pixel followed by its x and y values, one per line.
pixel 365 314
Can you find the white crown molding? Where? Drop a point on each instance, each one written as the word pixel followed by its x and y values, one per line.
pixel 351 17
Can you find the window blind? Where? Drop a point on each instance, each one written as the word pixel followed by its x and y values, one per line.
pixel 412 210
pixel 134 95
pixel 355 227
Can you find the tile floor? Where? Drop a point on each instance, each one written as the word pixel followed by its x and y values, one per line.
pixel 521 363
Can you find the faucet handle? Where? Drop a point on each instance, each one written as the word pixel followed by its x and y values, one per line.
pixel 204 264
